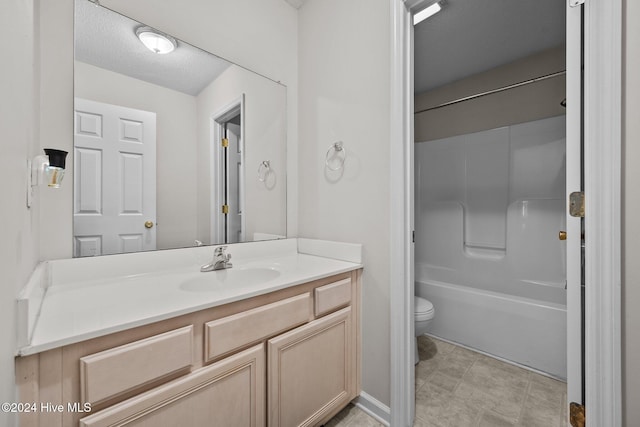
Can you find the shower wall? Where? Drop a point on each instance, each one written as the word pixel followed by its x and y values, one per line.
pixel 489 206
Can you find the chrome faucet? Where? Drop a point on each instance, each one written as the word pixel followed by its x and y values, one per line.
pixel 220 260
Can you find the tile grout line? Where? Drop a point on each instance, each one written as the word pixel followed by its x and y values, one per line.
pixel 524 401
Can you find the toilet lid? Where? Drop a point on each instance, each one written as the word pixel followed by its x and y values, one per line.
pixel 423 309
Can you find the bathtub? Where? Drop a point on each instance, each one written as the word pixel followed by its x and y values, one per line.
pixel 528 332
pixel 508 303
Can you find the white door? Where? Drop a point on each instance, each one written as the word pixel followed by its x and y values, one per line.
pixel 115 179
pixel 234 183
pixel 575 324
pixel 227 174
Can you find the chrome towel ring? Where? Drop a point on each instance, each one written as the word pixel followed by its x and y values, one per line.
pixel 334 153
pixel 263 170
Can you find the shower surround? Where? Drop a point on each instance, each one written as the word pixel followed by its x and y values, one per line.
pixel 489 206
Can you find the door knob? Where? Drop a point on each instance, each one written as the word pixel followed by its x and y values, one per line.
pixel 148 224
pixel 562 235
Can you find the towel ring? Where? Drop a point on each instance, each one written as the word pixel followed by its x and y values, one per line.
pixel 336 147
pixel 263 170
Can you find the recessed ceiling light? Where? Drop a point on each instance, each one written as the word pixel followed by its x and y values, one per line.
pixel 155 41
pixel 426 13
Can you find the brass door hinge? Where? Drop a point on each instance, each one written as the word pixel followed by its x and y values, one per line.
pixel 224 142
pixel 225 209
pixel 576 204
pixel 576 414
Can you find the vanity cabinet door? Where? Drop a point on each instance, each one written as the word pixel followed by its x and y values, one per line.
pixel 227 393
pixel 311 372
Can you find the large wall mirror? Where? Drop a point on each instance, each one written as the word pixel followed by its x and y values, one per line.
pixel 171 149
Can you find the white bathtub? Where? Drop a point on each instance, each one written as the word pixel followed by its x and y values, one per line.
pixel 528 332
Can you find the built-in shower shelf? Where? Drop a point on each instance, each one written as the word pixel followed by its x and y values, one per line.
pixel 485 252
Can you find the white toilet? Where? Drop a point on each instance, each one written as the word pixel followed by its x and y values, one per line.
pixel 423 313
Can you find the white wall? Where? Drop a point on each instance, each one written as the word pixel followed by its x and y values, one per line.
pixel 499 109
pixel 264 139
pixel 18 141
pixel 631 207
pixel 55 111
pixel 344 77
pixel 176 145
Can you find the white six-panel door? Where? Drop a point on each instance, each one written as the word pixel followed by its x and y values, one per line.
pixel 115 179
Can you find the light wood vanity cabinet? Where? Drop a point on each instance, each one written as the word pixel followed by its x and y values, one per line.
pixel 226 393
pixel 287 358
pixel 310 371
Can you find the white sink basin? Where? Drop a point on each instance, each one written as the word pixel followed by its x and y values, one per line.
pixel 235 277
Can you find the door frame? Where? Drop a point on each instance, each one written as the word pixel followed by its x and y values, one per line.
pixel 218 119
pixel 602 182
pixel 401 182
pixel 602 165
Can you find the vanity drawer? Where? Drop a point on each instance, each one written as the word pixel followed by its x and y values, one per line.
pixel 332 296
pixel 224 335
pixel 112 372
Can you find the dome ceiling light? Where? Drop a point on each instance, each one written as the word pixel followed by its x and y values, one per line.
pixel 156 41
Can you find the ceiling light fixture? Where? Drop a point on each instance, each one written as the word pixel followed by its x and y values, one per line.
pixel 427 12
pixel 156 41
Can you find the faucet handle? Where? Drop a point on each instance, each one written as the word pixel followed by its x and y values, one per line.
pixel 220 250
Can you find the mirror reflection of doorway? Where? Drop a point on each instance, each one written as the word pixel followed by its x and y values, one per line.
pixel 233 164
pixel 227 175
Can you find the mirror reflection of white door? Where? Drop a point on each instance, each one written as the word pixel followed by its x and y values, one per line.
pixel 227 177
pixel 114 179
pixel 234 176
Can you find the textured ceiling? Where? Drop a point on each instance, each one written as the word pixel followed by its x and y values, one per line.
pixel 471 36
pixel 107 40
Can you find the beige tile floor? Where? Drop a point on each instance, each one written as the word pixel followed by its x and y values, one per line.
pixel 456 387
pixel 352 417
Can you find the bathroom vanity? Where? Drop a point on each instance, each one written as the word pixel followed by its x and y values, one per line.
pixel 280 352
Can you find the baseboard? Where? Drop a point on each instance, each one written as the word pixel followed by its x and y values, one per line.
pixel 374 408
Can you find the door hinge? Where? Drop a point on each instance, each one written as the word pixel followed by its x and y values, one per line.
pixel 576 414
pixel 576 204
pixel 224 142
pixel 576 3
pixel 413 236
pixel 225 209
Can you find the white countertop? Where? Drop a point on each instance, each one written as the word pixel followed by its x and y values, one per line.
pixel 89 302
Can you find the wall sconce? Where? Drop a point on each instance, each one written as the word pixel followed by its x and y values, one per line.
pixel 45 169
